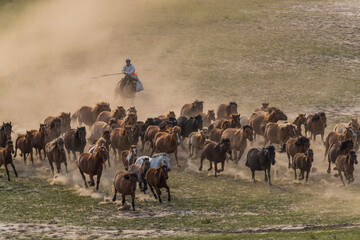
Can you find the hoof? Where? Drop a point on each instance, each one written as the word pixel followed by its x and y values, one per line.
pixel 328 171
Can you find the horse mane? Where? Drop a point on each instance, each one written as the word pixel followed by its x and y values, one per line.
pixel 247 126
pixel 100 105
pixel 269 115
pixel 315 117
pixel 344 144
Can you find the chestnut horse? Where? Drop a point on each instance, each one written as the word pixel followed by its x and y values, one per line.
pixel 258 120
pixel 5 133
pixel 238 139
pixel 25 143
pixel 88 115
pixel 234 120
pixel 299 120
pixel 296 145
pixel 341 127
pixel 55 152
pixel 6 157
pixel 118 113
pixel 279 133
pixel 334 137
pixel 121 139
pixel 92 164
pixel 192 109
pixel 168 142
pixel 40 139
pixel 316 124
pixel 225 110
pixel 337 149
pixel 65 121
pixel 53 129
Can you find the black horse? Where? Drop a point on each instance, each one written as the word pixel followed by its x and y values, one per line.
pixel 261 160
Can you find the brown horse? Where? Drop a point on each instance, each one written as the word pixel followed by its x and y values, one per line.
pixel 125 183
pixel 334 137
pixel 258 120
pixel 299 120
pixel 75 140
pixel 207 118
pixel 238 139
pixel 40 139
pixel 6 157
pixel 88 115
pixel 5 133
pixel 65 121
pixel 341 127
pixel 121 139
pixel 149 136
pixel 316 124
pixel 225 110
pixel 92 164
pixel 337 149
pixel 192 109
pixel 167 116
pixel 296 145
pixel 118 113
pixel 25 143
pixel 168 142
pixel 55 152
pixel 54 129
pixel 215 152
pixel 215 134
pixel 131 119
pixel 279 133
pixel 234 121
pixel 128 157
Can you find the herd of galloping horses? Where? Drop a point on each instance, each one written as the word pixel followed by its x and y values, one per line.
pixel 218 137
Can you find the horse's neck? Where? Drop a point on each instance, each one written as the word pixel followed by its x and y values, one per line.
pixel 297 122
pixel 271 118
pixel 97 157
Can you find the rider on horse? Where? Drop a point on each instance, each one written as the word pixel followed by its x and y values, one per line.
pixel 130 74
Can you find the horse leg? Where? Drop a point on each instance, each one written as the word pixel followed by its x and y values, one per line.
pixel 114 198
pixel 83 177
pixel 66 168
pixel 241 152
pixel 201 162
pixel 210 165
pixel 31 157
pixel 341 177
pixel 13 167
pixel 24 156
pixel 288 156
pixel 190 148
pixel 295 173
pixel 307 176
pixel 92 182
pixel 52 167
pixel 68 151
pixel 74 154
pixel 269 176
pixel 253 175
pixel 329 169
pixel 133 201
pixel 176 158
pixel 7 171
pixel 168 191
pixel 123 199
pixel 301 175
pixel 222 166
pixel 158 193
pixel 266 178
pixel 152 190
pixel 216 170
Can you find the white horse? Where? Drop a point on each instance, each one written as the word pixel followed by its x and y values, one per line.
pixel 156 161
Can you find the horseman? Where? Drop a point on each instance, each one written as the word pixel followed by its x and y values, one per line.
pixel 130 75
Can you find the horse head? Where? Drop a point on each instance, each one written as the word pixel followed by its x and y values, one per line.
pixel 248 131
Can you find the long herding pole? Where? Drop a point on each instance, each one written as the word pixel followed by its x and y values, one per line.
pixel 106 75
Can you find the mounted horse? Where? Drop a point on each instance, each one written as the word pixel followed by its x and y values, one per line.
pixel 129 89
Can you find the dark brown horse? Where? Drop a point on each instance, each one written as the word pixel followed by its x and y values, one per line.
pixel 6 157
pixel 5 133
pixel 337 149
pixel 92 164
pixel 25 143
pixel 128 91
pixel 316 124
pixel 88 115
pixel 192 109
pixel 75 140
pixel 215 152
pixel 40 139
pixel 225 110
pixel 65 121
pixel 119 113
pixel 296 145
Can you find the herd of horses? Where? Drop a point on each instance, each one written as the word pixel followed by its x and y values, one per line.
pixel 217 137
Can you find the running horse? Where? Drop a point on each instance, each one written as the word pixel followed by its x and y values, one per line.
pixel 129 89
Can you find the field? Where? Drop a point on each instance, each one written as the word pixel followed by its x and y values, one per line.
pixel 301 56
